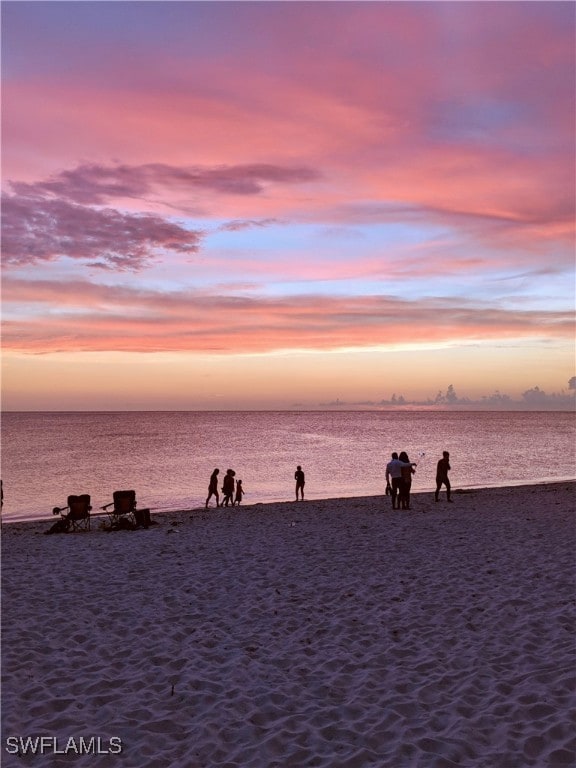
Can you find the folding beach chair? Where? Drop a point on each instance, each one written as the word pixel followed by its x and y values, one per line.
pixel 123 507
pixel 78 515
pixel 124 513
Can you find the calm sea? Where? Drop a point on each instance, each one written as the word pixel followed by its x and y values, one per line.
pixel 167 457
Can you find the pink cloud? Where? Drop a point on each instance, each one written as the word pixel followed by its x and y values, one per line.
pixel 96 184
pixel 58 217
pixel 436 115
pixel 107 318
pixel 444 114
pixel 36 229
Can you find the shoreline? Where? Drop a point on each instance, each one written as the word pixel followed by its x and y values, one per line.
pixel 160 512
pixel 325 633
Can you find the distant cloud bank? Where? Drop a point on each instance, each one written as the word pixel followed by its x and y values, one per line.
pixel 532 399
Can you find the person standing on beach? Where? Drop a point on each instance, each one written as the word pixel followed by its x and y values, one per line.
pixel 442 469
pixel 394 477
pixel 239 492
pixel 406 484
pixel 213 488
pixel 228 488
pixel 300 481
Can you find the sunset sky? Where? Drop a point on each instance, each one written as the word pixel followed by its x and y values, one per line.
pixel 286 204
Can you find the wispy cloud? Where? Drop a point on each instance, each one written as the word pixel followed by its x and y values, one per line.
pixel 94 184
pixel 91 317
pixel 239 224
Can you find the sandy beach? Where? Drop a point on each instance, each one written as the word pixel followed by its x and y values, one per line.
pixel 323 634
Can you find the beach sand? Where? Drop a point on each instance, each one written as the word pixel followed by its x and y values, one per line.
pixel 326 633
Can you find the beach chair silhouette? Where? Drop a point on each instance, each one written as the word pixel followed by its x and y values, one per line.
pixel 122 514
pixel 78 515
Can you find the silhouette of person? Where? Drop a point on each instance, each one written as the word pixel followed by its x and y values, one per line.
pixel 213 488
pixel 228 488
pixel 300 482
pixel 239 492
pixel 442 469
pixel 394 477
pixel 406 484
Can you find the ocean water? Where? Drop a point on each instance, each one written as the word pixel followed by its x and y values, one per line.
pixel 167 457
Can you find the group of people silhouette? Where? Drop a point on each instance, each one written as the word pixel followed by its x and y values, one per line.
pixel 232 490
pixel 399 471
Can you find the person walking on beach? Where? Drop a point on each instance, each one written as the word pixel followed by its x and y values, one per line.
pixel 300 481
pixel 239 492
pixel 213 488
pixel 406 484
pixel 228 488
pixel 394 477
pixel 442 469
